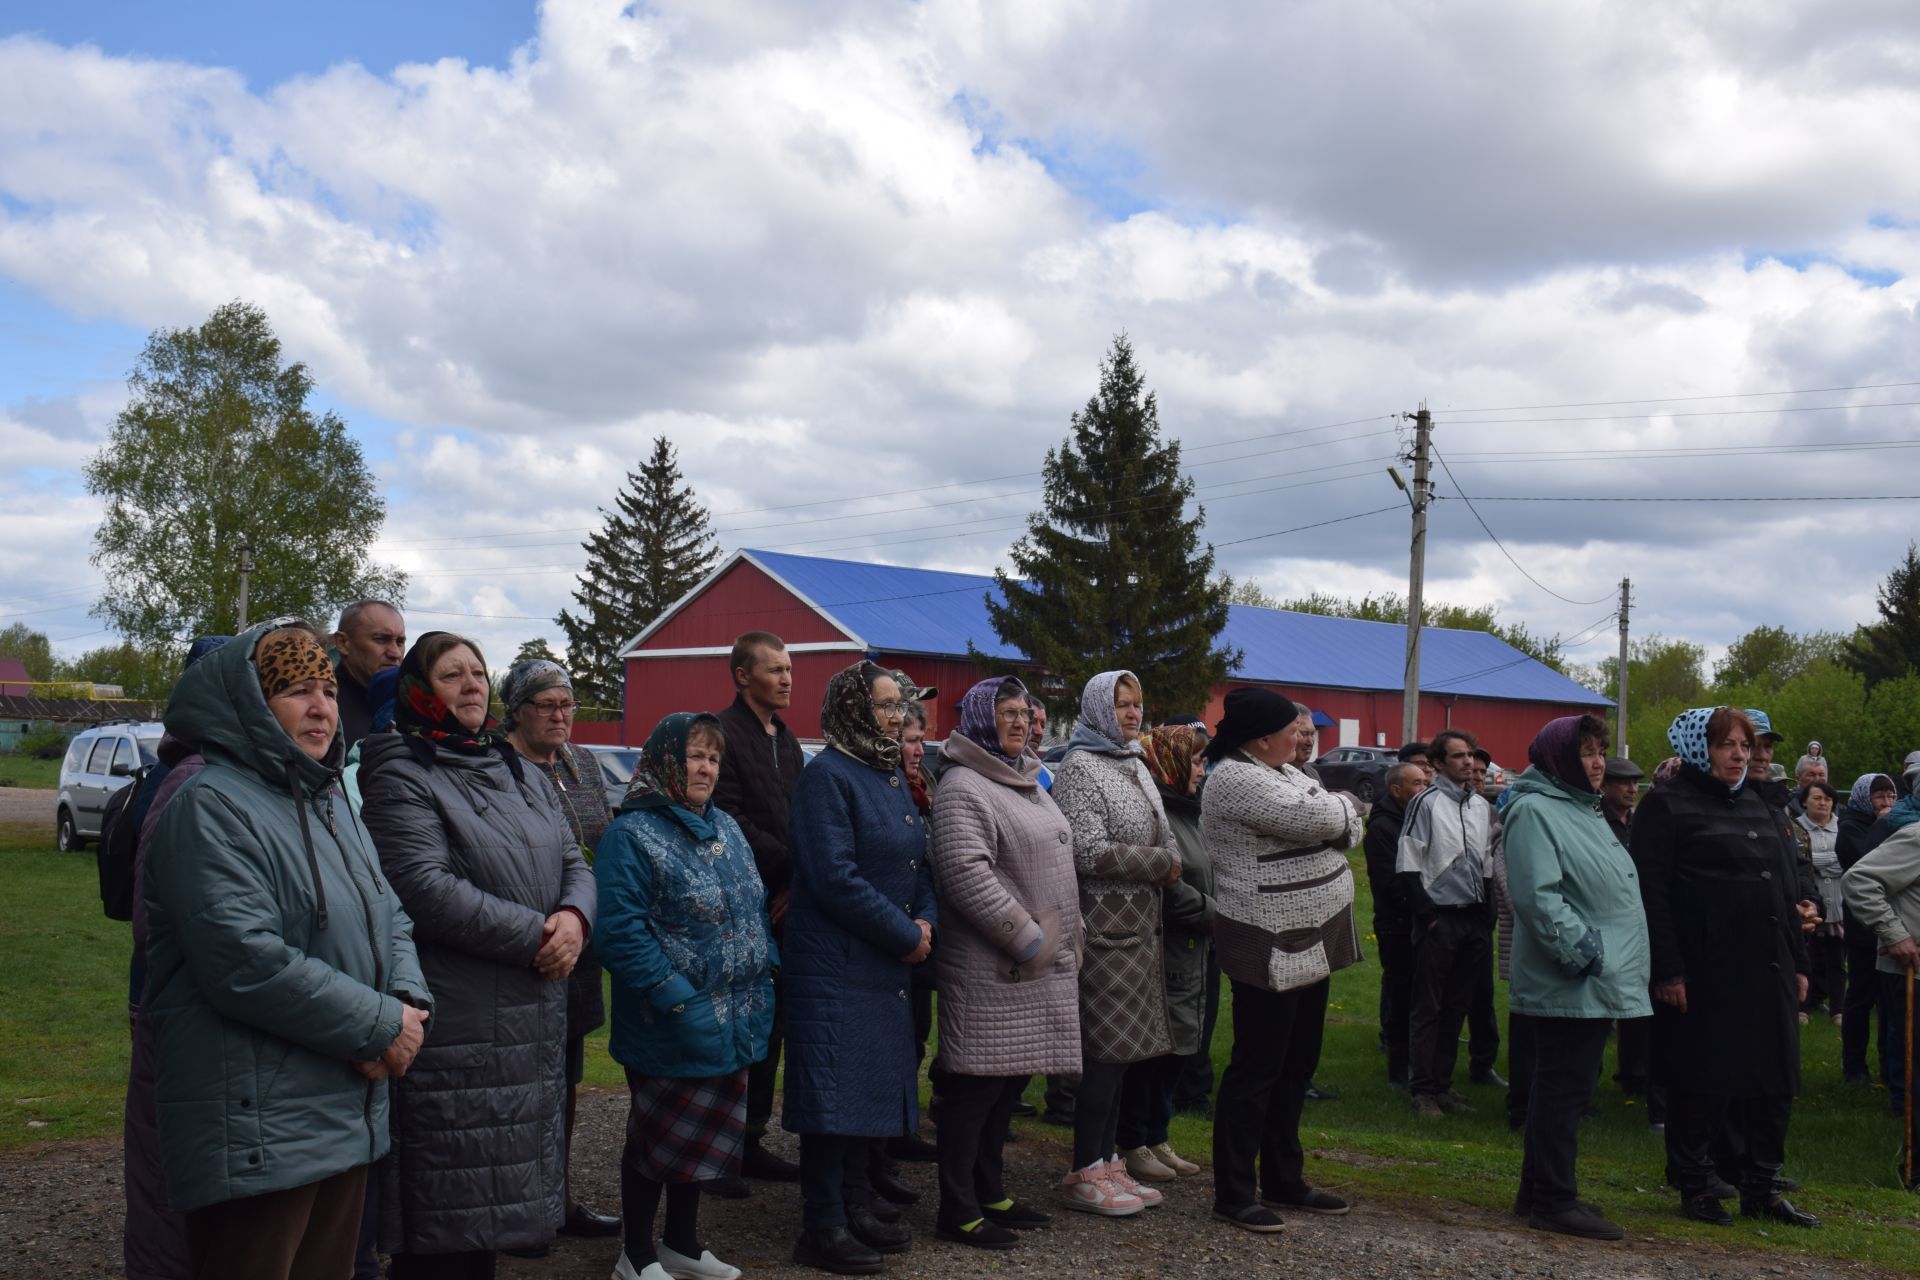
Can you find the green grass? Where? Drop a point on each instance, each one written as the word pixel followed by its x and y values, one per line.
pixel 25 771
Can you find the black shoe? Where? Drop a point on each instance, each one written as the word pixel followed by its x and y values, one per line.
pixel 1706 1208
pixel 1024 1108
pixel 1523 1206
pixel 1019 1217
pixel 535 1252
pixel 1715 1186
pixel 728 1186
pixel 1782 1183
pixel 835 1249
pixel 1490 1077
pixel 881 1237
pixel 1860 1079
pixel 1576 1222
pixel 1311 1200
pixel 1316 1094
pixel 582 1221
pixel 888 1187
pixel 1252 1218
pixel 1062 1116
pixel 880 1208
pixel 758 1162
pixel 912 1148
pixel 1778 1209
pixel 986 1234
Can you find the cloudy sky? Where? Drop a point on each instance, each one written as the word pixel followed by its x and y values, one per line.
pixel 867 255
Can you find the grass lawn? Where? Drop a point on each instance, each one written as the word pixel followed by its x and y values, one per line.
pixel 63 1058
pixel 25 771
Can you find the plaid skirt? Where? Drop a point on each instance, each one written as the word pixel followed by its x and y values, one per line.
pixel 686 1130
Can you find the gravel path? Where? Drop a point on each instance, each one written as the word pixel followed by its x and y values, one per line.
pixel 60 1217
pixel 27 806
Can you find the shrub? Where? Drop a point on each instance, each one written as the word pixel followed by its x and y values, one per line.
pixel 44 743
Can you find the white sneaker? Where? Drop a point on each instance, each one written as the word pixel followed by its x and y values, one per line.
pixel 705 1267
pixel 1090 1190
pixel 624 1270
pixel 1167 1156
pixel 1117 1174
pixel 1144 1165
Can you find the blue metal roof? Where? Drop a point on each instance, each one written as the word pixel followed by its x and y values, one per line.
pixel 929 611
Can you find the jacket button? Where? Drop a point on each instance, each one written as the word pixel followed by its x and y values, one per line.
pixel 1773 919
pixel 1766 875
pixel 909 818
pixel 1775 966
pixel 1753 835
pixel 893 780
pixel 1063 836
pixel 246 1102
pixel 1006 926
pixel 253 1157
pixel 903 995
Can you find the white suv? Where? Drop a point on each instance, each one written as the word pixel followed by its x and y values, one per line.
pixel 99 762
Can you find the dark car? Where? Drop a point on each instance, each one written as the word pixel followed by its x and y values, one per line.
pixel 616 770
pixel 1361 770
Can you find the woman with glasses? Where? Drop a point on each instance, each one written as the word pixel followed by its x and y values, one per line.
pixel 861 915
pixel 538 698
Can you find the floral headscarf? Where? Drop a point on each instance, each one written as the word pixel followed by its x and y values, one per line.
pixel 847 721
pixel 979 712
pixel 527 680
pixel 1171 752
pixel 1098 728
pixel 1860 799
pixel 1687 735
pixel 1664 771
pixel 419 713
pixel 660 780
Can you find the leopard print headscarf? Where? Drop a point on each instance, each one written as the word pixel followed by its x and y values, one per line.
pixel 288 658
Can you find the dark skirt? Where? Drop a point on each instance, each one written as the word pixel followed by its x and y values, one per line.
pixel 686 1130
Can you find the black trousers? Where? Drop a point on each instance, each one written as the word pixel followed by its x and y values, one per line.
pixel 1857 1020
pixel 1195 1083
pixel 1827 983
pixel 1393 936
pixel 1449 959
pixel 833 1175
pixel 1096 1111
pixel 1146 1102
pixel 477 1265
pixel 1483 1024
pixel 1523 1066
pixel 1256 1114
pixel 762 1075
pixel 1566 1058
pixel 975 1114
pixel 1699 1126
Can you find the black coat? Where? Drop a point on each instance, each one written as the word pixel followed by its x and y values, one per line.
pixel 755 788
pixel 1719 894
pixel 1382 847
pixel 1860 834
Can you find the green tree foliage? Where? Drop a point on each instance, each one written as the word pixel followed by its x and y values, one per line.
pixel 217 445
pixel 143 673
pixel 32 647
pixel 1890 648
pixel 1659 670
pixel 651 549
pixel 1111 573
pixel 536 648
pixel 1392 607
pixel 1769 655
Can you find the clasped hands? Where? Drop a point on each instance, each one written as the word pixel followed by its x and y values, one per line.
pixel 405 1047
pixel 919 953
pixel 561 941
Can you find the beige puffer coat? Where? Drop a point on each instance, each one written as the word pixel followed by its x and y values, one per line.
pixel 1123 849
pixel 1003 866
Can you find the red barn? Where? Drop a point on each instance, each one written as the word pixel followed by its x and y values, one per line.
pixel 834 612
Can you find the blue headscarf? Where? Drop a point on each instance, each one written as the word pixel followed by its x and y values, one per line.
pixel 1098 728
pixel 660 781
pixel 1687 735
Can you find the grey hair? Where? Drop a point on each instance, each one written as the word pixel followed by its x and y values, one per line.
pixel 351 614
pixel 1403 771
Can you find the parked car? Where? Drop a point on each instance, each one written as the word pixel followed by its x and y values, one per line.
pixel 616 770
pixel 99 761
pixel 1361 770
pixel 1497 780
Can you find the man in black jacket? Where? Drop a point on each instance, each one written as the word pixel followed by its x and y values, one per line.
pixel 372 638
pixel 1392 920
pixel 757 780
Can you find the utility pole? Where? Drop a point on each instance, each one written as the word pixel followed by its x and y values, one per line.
pixel 1420 495
pixel 246 567
pixel 1620 689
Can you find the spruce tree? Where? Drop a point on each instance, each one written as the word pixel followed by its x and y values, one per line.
pixel 651 549
pixel 1890 648
pixel 1111 572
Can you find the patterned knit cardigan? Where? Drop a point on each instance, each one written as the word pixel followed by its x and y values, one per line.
pixel 1282 886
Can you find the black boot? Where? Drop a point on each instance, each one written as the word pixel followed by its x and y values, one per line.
pixel 881 1237
pixel 758 1162
pixel 888 1187
pixel 835 1249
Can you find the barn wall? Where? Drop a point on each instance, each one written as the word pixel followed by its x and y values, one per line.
pixel 743 598
pixel 660 686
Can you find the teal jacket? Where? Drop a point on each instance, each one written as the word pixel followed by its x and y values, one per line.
pixel 1580 934
pixel 278 955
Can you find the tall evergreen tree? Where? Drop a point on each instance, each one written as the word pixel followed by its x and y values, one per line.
pixel 650 550
pixel 1111 572
pixel 1890 648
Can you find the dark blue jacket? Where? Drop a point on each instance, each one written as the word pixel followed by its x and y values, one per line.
pixel 860 880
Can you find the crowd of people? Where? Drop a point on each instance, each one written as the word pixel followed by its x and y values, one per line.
pixel 374 917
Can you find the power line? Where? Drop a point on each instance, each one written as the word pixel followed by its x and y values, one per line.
pixel 1503 546
pixel 1358 515
pixel 1726 395
pixel 1795 497
pixel 1689 413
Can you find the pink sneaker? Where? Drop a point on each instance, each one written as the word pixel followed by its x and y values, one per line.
pixel 1090 1190
pixel 1116 1172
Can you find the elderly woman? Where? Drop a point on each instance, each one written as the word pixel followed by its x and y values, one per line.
pixel 282 984
pixel 537 696
pixel 1728 966
pixel 1579 956
pixel 1147 1095
pixel 1008 957
pixel 684 932
pixel 476 845
pixel 1283 923
pixel 1819 822
pixel 1883 890
pixel 1123 850
pixel 861 915
pixel 1871 796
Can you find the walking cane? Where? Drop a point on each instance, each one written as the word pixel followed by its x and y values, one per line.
pixel 1908 1135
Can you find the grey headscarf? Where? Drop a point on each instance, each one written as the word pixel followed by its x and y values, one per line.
pixel 1098 728
pixel 527 680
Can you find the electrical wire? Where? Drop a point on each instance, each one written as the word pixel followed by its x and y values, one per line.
pixel 1725 395
pixel 1318 524
pixel 1503 546
pixel 1688 413
pixel 1796 497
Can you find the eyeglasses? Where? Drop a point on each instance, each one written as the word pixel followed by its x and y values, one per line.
pixel 1013 715
pixel 889 709
pixel 548 707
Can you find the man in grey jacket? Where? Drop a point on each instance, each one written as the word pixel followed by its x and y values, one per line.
pixel 1883 891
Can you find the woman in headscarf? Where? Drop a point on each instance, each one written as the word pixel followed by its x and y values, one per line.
pixel 1729 966
pixel 1172 753
pixel 1008 957
pixel 1871 796
pixel 502 903
pixel 684 932
pixel 537 698
pixel 1579 956
pixel 861 915
pixel 1283 923
pixel 1819 820
pixel 282 986
pixel 1123 850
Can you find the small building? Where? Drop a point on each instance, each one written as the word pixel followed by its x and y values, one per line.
pixel 834 612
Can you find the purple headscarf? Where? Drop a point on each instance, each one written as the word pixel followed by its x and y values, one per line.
pixel 977 723
pixel 1555 751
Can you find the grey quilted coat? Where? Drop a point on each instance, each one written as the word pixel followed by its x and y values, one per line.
pixel 1009 953
pixel 1122 849
pixel 480 861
